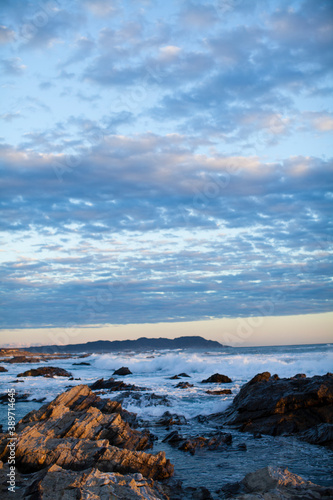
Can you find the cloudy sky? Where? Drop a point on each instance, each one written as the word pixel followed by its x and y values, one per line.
pixel 164 162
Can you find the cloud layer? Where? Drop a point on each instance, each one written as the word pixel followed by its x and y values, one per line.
pixel 165 163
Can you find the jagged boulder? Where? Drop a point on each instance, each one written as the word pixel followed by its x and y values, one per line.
pixel 274 483
pixel 274 406
pixel 78 430
pixel 46 371
pixel 114 385
pixel 191 444
pixel 217 378
pixel 122 371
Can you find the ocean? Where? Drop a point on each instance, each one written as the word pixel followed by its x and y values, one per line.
pixel 153 369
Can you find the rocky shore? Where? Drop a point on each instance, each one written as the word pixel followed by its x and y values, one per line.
pixel 82 446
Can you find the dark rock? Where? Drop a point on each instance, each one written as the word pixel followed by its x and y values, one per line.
pixel 18 398
pixel 114 385
pixel 169 419
pixel 23 359
pixel 45 371
pixel 183 375
pixel 217 378
pixel 82 364
pixel 175 377
pixel 242 446
pixel 191 444
pixel 122 371
pixel 2 369
pixel 281 406
pixel 184 385
pixel 319 434
pixel 218 393
pixel 17 381
pixel 78 430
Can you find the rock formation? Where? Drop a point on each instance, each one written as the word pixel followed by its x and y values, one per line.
pixel 46 371
pixel 274 483
pixel 217 378
pixel 274 406
pixel 77 431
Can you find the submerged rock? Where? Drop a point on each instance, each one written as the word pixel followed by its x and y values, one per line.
pixel 220 392
pixel 191 444
pixel 274 483
pixel 77 431
pixel 3 369
pixel 184 385
pixel 217 378
pixel 143 399
pixel 169 419
pixel 83 363
pixel 45 371
pixel 122 371
pixel 114 385
pixel 281 406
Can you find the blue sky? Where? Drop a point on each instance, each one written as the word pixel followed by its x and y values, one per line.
pixel 164 161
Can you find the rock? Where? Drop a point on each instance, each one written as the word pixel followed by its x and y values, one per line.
pixel 78 430
pixel 82 364
pixel 23 359
pixel 217 378
pixel 183 385
pixel 183 375
pixel 2 369
pixel 56 483
pixel 321 434
pixel 114 385
pixel 18 398
pixel 215 441
pixel 218 393
pixel 45 371
pixel 281 406
pixel 143 399
pixel 122 371
pixel 169 419
pixel 274 483
pixel 175 377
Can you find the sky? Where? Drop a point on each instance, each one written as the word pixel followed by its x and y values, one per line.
pixel 166 167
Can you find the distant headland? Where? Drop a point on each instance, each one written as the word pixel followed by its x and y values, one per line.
pixel 141 344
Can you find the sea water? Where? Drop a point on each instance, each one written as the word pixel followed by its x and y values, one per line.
pixel 153 369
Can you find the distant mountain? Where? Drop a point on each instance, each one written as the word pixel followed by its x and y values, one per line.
pixel 140 344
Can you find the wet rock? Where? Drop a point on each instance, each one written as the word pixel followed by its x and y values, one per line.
pixel 184 385
pixel 122 371
pixel 143 399
pixel 169 419
pixel 23 359
pixel 217 378
pixel 281 406
pixel 45 371
pixel 77 431
pixel 3 369
pixel 274 483
pixel 18 398
pixel 219 393
pixel 191 444
pixel 180 375
pixel 321 434
pixel 114 385
pixel 82 364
